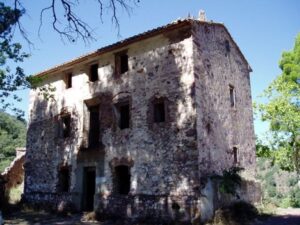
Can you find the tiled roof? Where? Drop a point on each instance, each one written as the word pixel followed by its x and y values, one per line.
pixel 150 33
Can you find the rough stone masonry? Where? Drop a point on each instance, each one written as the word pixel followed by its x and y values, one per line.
pixel 134 129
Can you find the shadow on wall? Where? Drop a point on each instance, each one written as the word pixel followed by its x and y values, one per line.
pixel 52 143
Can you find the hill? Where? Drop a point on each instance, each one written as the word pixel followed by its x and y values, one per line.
pixel 12 135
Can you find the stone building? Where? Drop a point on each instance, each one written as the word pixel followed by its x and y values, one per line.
pixel 134 128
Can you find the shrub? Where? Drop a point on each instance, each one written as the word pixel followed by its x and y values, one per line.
pixel 295 197
pixel 230 180
pixel 285 202
pixel 238 213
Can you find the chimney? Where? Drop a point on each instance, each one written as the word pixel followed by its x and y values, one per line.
pixel 202 16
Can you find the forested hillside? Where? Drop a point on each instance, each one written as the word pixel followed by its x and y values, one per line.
pixel 12 135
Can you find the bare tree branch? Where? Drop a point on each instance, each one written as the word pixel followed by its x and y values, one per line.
pixel 72 27
pixel 19 7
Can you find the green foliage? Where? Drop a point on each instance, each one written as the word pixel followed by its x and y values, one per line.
pixel 295 197
pixel 262 150
pixel 283 107
pixel 279 187
pixel 12 135
pixel 12 76
pixel 230 180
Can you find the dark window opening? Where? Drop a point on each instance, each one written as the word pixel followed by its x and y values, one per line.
pixel 124 115
pixel 121 61
pixel 159 111
pixel 227 46
pixel 122 180
pixel 94 72
pixel 66 123
pixel 64 179
pixel 235 155
pixel 94 131
pixel 68 80
pixel 232 96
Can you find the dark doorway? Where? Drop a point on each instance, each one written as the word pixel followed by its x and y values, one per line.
pixel 89 178
pixel 64 179
pixel 122 180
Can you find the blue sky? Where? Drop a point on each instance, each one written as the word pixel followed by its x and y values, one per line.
pixel 263 29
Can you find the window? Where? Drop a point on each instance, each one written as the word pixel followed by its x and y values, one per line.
pixel 121 63
pixel 68 80
pixel 159 114
pixel 227 46
pixel 94 131
pixel 123 114
pixel 94 72
pixel 122 180
pixel 64 179
pixel 235 155
pixel 66 125
pixel 232 96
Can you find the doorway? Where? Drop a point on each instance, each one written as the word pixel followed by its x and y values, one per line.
pixel 122 180
pixel 89 183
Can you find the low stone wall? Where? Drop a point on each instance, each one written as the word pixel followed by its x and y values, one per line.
pixel 51 201
pixel 148 207
pixel 14 174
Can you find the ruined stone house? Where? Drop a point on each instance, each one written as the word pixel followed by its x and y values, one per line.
pixel 133 128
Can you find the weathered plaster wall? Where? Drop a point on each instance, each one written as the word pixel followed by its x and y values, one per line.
pixel 221 127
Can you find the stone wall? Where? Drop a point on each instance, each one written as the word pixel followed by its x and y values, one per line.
pixel 14 174
pixel 190 68
pixel 220 126
pixel 163 155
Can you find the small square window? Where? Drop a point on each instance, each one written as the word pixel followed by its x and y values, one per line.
pixel 68 80
pixel 66 126
pixel 94 73
pixel 232 96
pixel 159 114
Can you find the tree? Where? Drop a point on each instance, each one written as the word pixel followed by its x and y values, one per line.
pixel 282 110
pixel 12 76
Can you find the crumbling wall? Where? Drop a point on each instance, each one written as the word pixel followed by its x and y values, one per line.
pixel 14 174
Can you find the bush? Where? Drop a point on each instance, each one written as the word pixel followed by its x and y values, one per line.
pixel 238 213
pixel 295 197
pixel 285 202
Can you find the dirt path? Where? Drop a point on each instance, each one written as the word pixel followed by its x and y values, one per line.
pixel 283 217
pixel 40 218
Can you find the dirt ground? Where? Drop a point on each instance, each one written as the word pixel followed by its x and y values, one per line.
pixel 39 218
pixel 282 217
